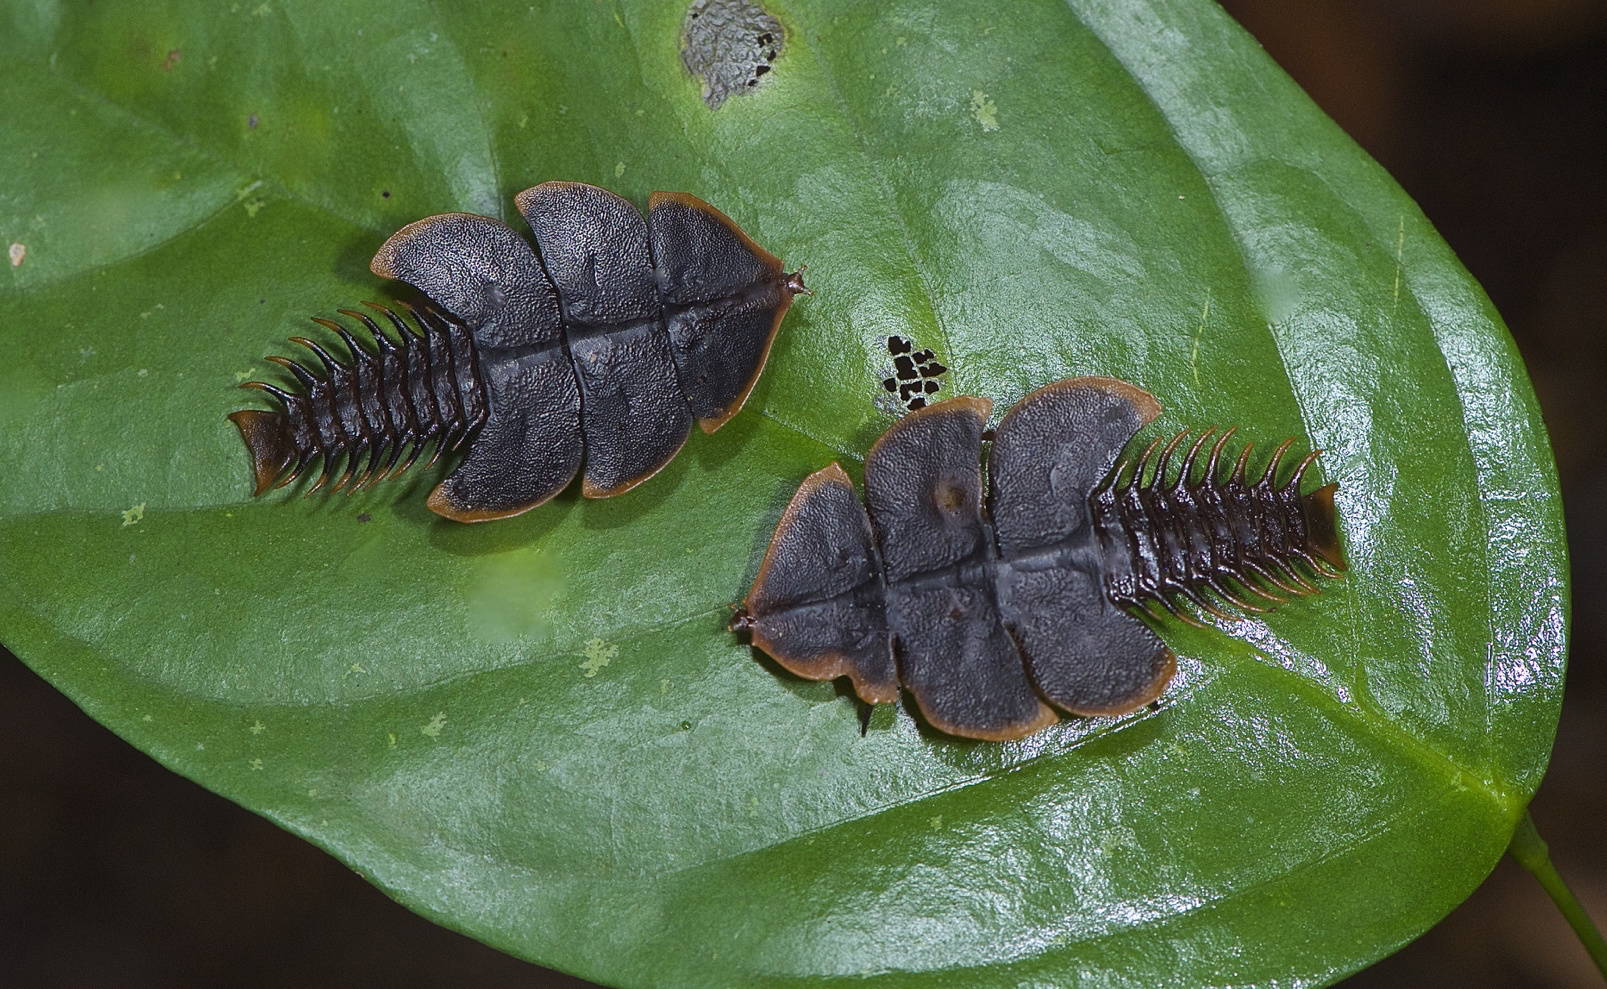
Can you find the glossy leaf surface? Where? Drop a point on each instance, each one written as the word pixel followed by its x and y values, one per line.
pixel 537 731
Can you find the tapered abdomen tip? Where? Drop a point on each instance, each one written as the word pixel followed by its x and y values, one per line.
pixel 265 436
pixel 1321 530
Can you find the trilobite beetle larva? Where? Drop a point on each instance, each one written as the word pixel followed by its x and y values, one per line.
pixel 599 351
pixel 994 620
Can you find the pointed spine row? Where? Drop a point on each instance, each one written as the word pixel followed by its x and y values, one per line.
pixel 1211 538
pixel 378 409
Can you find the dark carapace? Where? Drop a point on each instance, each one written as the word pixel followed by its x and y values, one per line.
pixel 599 350
pixel 992 620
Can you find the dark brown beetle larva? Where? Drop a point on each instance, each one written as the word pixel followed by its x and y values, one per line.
pixel 602 349
pixel 986 617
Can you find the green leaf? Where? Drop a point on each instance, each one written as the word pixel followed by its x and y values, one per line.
pixel 537 731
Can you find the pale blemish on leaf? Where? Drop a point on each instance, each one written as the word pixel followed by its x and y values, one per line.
pixel 984 110
pixel 390 740
pixel 730 45
pixel 1400 253
pixel 252 205
pixel 1194 358
pixel 313 792
pixel 598 653
pixel 513 599
pixel 17 252
pixel 255 764
pixel 433 729
pixel 257 728
pixel 619 170
pixel 132 516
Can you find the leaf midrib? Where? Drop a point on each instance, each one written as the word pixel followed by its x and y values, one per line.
pixel 884 190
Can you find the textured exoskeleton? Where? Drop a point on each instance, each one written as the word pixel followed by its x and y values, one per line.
pixel 993 620
pixel 592 356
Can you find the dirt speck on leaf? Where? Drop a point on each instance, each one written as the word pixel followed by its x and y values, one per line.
pixel 599 653
pixel 17 253
pixel 984 110
pixel 730 45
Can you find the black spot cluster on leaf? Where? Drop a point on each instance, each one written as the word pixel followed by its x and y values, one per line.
pixel 916 374
pixel 768 50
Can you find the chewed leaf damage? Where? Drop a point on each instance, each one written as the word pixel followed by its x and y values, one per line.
pixel 730 46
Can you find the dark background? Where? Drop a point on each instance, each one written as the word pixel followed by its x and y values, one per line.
pixel 1491 113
